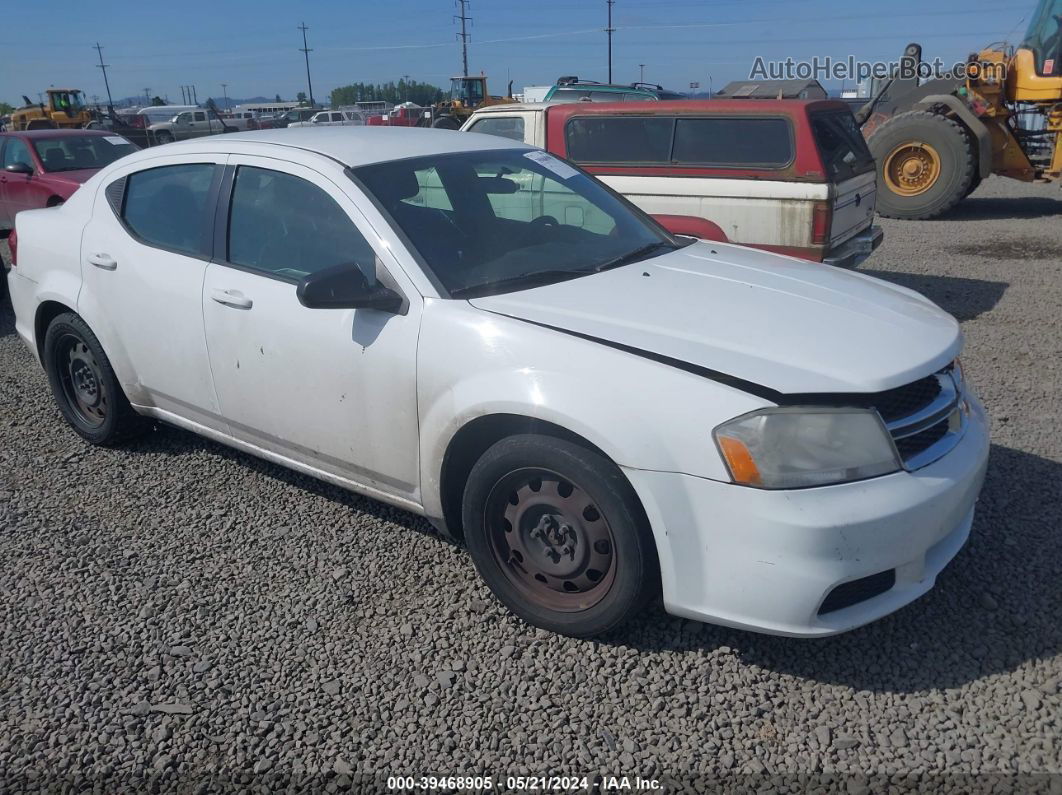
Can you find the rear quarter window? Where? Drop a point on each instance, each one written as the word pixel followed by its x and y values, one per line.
pixel 734 142
pixel 841 145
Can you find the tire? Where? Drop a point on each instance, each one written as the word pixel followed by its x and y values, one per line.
pixel 84 384
pixel 975 183
pixel 938 151
pixel 573 554
pixel 446 123
pixel 164 137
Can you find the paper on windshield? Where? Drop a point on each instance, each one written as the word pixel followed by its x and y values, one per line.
pixel 558 167
pixel 117 140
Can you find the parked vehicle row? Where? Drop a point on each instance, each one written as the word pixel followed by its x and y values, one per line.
pixel 332 118
pixel 789 176
pixel 478 331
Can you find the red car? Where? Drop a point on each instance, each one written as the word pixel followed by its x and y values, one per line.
pixel 42 168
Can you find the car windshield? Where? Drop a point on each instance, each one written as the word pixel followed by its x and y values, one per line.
pixel 76 152
pixel 496 221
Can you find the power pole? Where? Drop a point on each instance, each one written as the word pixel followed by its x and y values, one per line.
pixel 147 95
pixel 610 30
pixel 306 53
pixel 641 73
pixel 195 97
pixel 103 66
pixel 464 35
pixel 184 96
pixel 225 92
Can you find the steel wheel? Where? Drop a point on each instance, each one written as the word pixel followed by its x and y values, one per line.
pixel 550 540
pixel 912 168
pixel 82 380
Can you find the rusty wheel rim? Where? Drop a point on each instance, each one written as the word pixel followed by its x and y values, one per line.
pixel 912 168
pixel 550 540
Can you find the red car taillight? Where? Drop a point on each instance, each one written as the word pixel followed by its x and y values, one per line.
pixel 139 121
pixel 12 244
pixel 821 215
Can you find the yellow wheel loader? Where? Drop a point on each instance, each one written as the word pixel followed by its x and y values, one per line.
pixel 64 109
pixel 934 140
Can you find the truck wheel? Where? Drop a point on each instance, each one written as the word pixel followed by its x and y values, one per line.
pixel 164 137
pixel 84 384
pixel 925 165
pixel 446 123
pixel 556 532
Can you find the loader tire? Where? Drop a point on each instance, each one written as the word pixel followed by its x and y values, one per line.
pixel 925 165
pixel 446 123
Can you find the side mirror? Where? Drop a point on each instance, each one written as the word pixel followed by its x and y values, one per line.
pixel 345 287
pixel 20 168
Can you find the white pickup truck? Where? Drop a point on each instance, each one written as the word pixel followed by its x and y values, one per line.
pixel 189 124
pixel 333 118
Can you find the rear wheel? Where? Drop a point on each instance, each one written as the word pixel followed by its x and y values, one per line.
pixel 925 165
pixel 84 384
pixel 446 123
pixel 558 535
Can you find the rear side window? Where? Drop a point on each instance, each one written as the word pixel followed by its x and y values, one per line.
pixel 733 142
pixel 841 145
pixel 284 226
pixel 620 139
pixel 569 95
pixel 506 127
pixel 170 207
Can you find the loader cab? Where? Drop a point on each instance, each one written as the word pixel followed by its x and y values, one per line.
pixel 66 101
pixel 1044 38
pixel 469 91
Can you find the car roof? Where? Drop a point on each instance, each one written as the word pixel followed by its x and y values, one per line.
pixel 39 134
pixel 351 146
pixel 779 107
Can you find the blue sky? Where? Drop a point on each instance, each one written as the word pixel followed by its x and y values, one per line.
pixel 253 46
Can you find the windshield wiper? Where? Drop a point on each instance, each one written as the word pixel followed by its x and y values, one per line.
pixel 533 279
pixel 640 253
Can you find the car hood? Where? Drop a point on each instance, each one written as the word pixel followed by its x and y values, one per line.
pixel 782 323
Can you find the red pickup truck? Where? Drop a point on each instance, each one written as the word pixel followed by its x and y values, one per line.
pixel 791 176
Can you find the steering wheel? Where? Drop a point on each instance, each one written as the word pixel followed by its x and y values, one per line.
pixel 534 229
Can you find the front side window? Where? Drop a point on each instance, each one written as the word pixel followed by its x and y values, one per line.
pixel 733 142
pixel 287 227
pixel 169 207
pixel 504 220
pixel 506 127
pixel 72 153
pixel 16 152
pixel 619 139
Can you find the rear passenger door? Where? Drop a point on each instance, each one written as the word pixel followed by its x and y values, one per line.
pixel 144 253
pixel 333 389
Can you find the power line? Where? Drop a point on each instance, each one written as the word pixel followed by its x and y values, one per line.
pixel 306 53
pixel 610 30
pixel 464 36
pixel 103 66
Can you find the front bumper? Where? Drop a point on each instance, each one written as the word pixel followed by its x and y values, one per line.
pixel 766 560
pixel 856 249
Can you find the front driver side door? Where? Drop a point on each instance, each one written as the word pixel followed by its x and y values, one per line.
pixel 333 389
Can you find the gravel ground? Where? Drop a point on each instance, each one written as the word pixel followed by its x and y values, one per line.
pixel 177 613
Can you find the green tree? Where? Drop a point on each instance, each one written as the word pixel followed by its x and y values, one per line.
pixel 6 109
pixel 402 91
pixel 301 97
pixel 278 99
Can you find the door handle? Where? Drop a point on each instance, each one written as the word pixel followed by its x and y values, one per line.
pixel 233 298
pixel 104 261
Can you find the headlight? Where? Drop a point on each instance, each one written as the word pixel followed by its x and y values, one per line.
pixel 796 447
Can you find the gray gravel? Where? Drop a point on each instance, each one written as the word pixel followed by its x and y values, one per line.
pixel 176 612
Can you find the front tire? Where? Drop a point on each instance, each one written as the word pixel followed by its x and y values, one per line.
pixel 163 137
pixel 925 165
pixel 558 535
pixel 84 384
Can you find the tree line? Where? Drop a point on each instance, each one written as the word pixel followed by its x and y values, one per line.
pixel 402 91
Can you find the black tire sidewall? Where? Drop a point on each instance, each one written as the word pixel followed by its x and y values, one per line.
pixel 112 427
pixel 956 169
pixel 446 123
pixel 635 556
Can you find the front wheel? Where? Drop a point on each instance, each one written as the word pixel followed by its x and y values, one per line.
pixel 556 532
pixel 84 384
pixel 164 137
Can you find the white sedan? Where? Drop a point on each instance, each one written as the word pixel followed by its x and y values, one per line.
pixel 332 118
pixel 478 332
